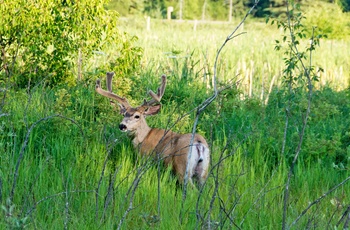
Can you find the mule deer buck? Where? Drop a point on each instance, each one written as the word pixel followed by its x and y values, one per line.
pixel 172 147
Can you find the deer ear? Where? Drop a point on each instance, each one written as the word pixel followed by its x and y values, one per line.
pixel 152 110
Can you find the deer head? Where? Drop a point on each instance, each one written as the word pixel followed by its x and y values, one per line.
pixel 134 117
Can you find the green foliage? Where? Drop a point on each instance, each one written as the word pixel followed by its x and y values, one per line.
pixel 344 5
pixel 326 139
pixel 299 76
pixel 297 70
pixel 262 9
pixel 155 8
pixel 53 41
pixel 11 218
pixel 328 19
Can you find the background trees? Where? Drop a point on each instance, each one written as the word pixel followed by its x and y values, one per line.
pixel 211 9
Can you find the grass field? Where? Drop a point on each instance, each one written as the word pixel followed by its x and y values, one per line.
pixel 250 55
pixel 65 164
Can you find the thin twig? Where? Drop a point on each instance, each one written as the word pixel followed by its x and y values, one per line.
pixel 100 180
pixel 209 100
pixel 131 200
pixel 227 214
pixel 109 195
pixel 216 190
pixel 307 73
pixel 4 114
pixel 211 172
pixel 158 185
pixel 346 217
pixel 66 204
pixel 318 200
pixel 24 146
pixel 31 187
pixel 29 212
pixel 260 195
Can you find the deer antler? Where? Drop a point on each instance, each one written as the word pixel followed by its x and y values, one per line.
pixel 122 101
pixel 156 97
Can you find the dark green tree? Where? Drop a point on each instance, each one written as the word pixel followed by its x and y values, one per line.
pixel 344 5
pixel 155 8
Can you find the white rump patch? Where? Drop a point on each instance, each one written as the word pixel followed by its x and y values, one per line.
pixel 199 161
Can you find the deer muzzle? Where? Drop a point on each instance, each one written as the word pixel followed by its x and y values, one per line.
pixel 122 127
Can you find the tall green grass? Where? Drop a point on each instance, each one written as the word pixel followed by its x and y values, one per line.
pixel 78 169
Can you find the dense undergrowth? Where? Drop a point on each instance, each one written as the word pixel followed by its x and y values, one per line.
pixel 77 167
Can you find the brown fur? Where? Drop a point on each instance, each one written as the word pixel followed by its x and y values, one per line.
pixel 172 147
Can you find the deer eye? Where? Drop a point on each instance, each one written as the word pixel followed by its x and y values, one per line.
pixel 137 116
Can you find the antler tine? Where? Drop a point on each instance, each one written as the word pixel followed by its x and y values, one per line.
pixel 122 101
pixel 156 97
pixel 109 80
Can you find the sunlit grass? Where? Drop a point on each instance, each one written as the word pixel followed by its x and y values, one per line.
pixel 250 55
pixel 78 169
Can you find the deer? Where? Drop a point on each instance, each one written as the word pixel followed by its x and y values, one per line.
pixel 173 148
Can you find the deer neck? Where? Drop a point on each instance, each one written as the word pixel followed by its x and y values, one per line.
pixel 141 133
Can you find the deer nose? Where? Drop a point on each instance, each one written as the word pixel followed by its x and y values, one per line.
pixel 122 127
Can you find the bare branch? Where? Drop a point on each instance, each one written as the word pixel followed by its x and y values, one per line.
pixel 345 217
pixel 109 150
pixel 4 114
pixel 29 212
pixel 318 200
pixel 307 74
pixel 209 100
pixel 24 146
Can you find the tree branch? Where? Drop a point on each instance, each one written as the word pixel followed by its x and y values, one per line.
pixel 318 200
pixel 209 100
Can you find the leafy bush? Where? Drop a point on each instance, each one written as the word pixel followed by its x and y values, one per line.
pixel 52 41
pixel 326 141
pixel 329 19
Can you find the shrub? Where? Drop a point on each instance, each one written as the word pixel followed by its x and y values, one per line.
pixel 329 19
pixel 50 41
